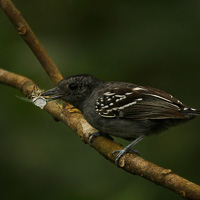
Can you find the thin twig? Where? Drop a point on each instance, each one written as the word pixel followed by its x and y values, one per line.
pixel 32 41
pixel 129 162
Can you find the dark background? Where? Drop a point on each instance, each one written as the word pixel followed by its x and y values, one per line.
pixel 148 43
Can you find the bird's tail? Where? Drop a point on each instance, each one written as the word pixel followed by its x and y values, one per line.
pixel 190 112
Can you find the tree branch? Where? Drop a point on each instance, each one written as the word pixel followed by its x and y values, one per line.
pixel 32 41
pixel 71 116
pixel 129 162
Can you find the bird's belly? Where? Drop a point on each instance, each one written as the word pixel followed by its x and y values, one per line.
pixel 123 128
pixel 120 128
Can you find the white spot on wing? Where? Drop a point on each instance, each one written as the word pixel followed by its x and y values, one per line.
pixel 139 99
pixel 128 93
pixel 104 115
pixel 179 102
pixel 159 97
pixel 139 88
pixel 109 93
pixel 105 107
pixel 120 95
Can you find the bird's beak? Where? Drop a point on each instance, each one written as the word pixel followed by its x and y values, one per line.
pixel 54 91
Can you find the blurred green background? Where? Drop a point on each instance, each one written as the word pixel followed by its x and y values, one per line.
pixel 145 42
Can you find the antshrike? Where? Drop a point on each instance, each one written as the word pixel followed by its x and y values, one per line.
pixel 122 109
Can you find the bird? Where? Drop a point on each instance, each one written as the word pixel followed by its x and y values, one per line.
pixel 122 109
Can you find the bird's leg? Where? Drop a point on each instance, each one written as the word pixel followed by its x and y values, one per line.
pixel 96 134
pixel 127 149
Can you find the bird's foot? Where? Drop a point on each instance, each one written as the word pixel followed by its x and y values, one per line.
pixel 97 134
pixel 122 152
pixel 127 149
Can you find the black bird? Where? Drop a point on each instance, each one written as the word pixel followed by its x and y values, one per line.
pixel 122 109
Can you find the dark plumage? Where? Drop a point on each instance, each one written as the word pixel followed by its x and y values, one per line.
pixel 122 109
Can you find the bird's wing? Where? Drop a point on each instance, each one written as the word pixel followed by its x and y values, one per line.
pixel 138 103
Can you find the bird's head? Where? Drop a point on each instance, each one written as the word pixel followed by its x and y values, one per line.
pixel 73 89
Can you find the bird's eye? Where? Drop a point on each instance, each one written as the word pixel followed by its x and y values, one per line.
pixel 73 86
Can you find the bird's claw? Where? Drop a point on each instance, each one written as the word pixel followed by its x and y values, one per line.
pixel 122 152
pixel 97 134
pixel 92 136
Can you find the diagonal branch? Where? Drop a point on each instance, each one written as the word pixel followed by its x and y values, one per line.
pixel 129 162
pixel 71 116
pixel 32 41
